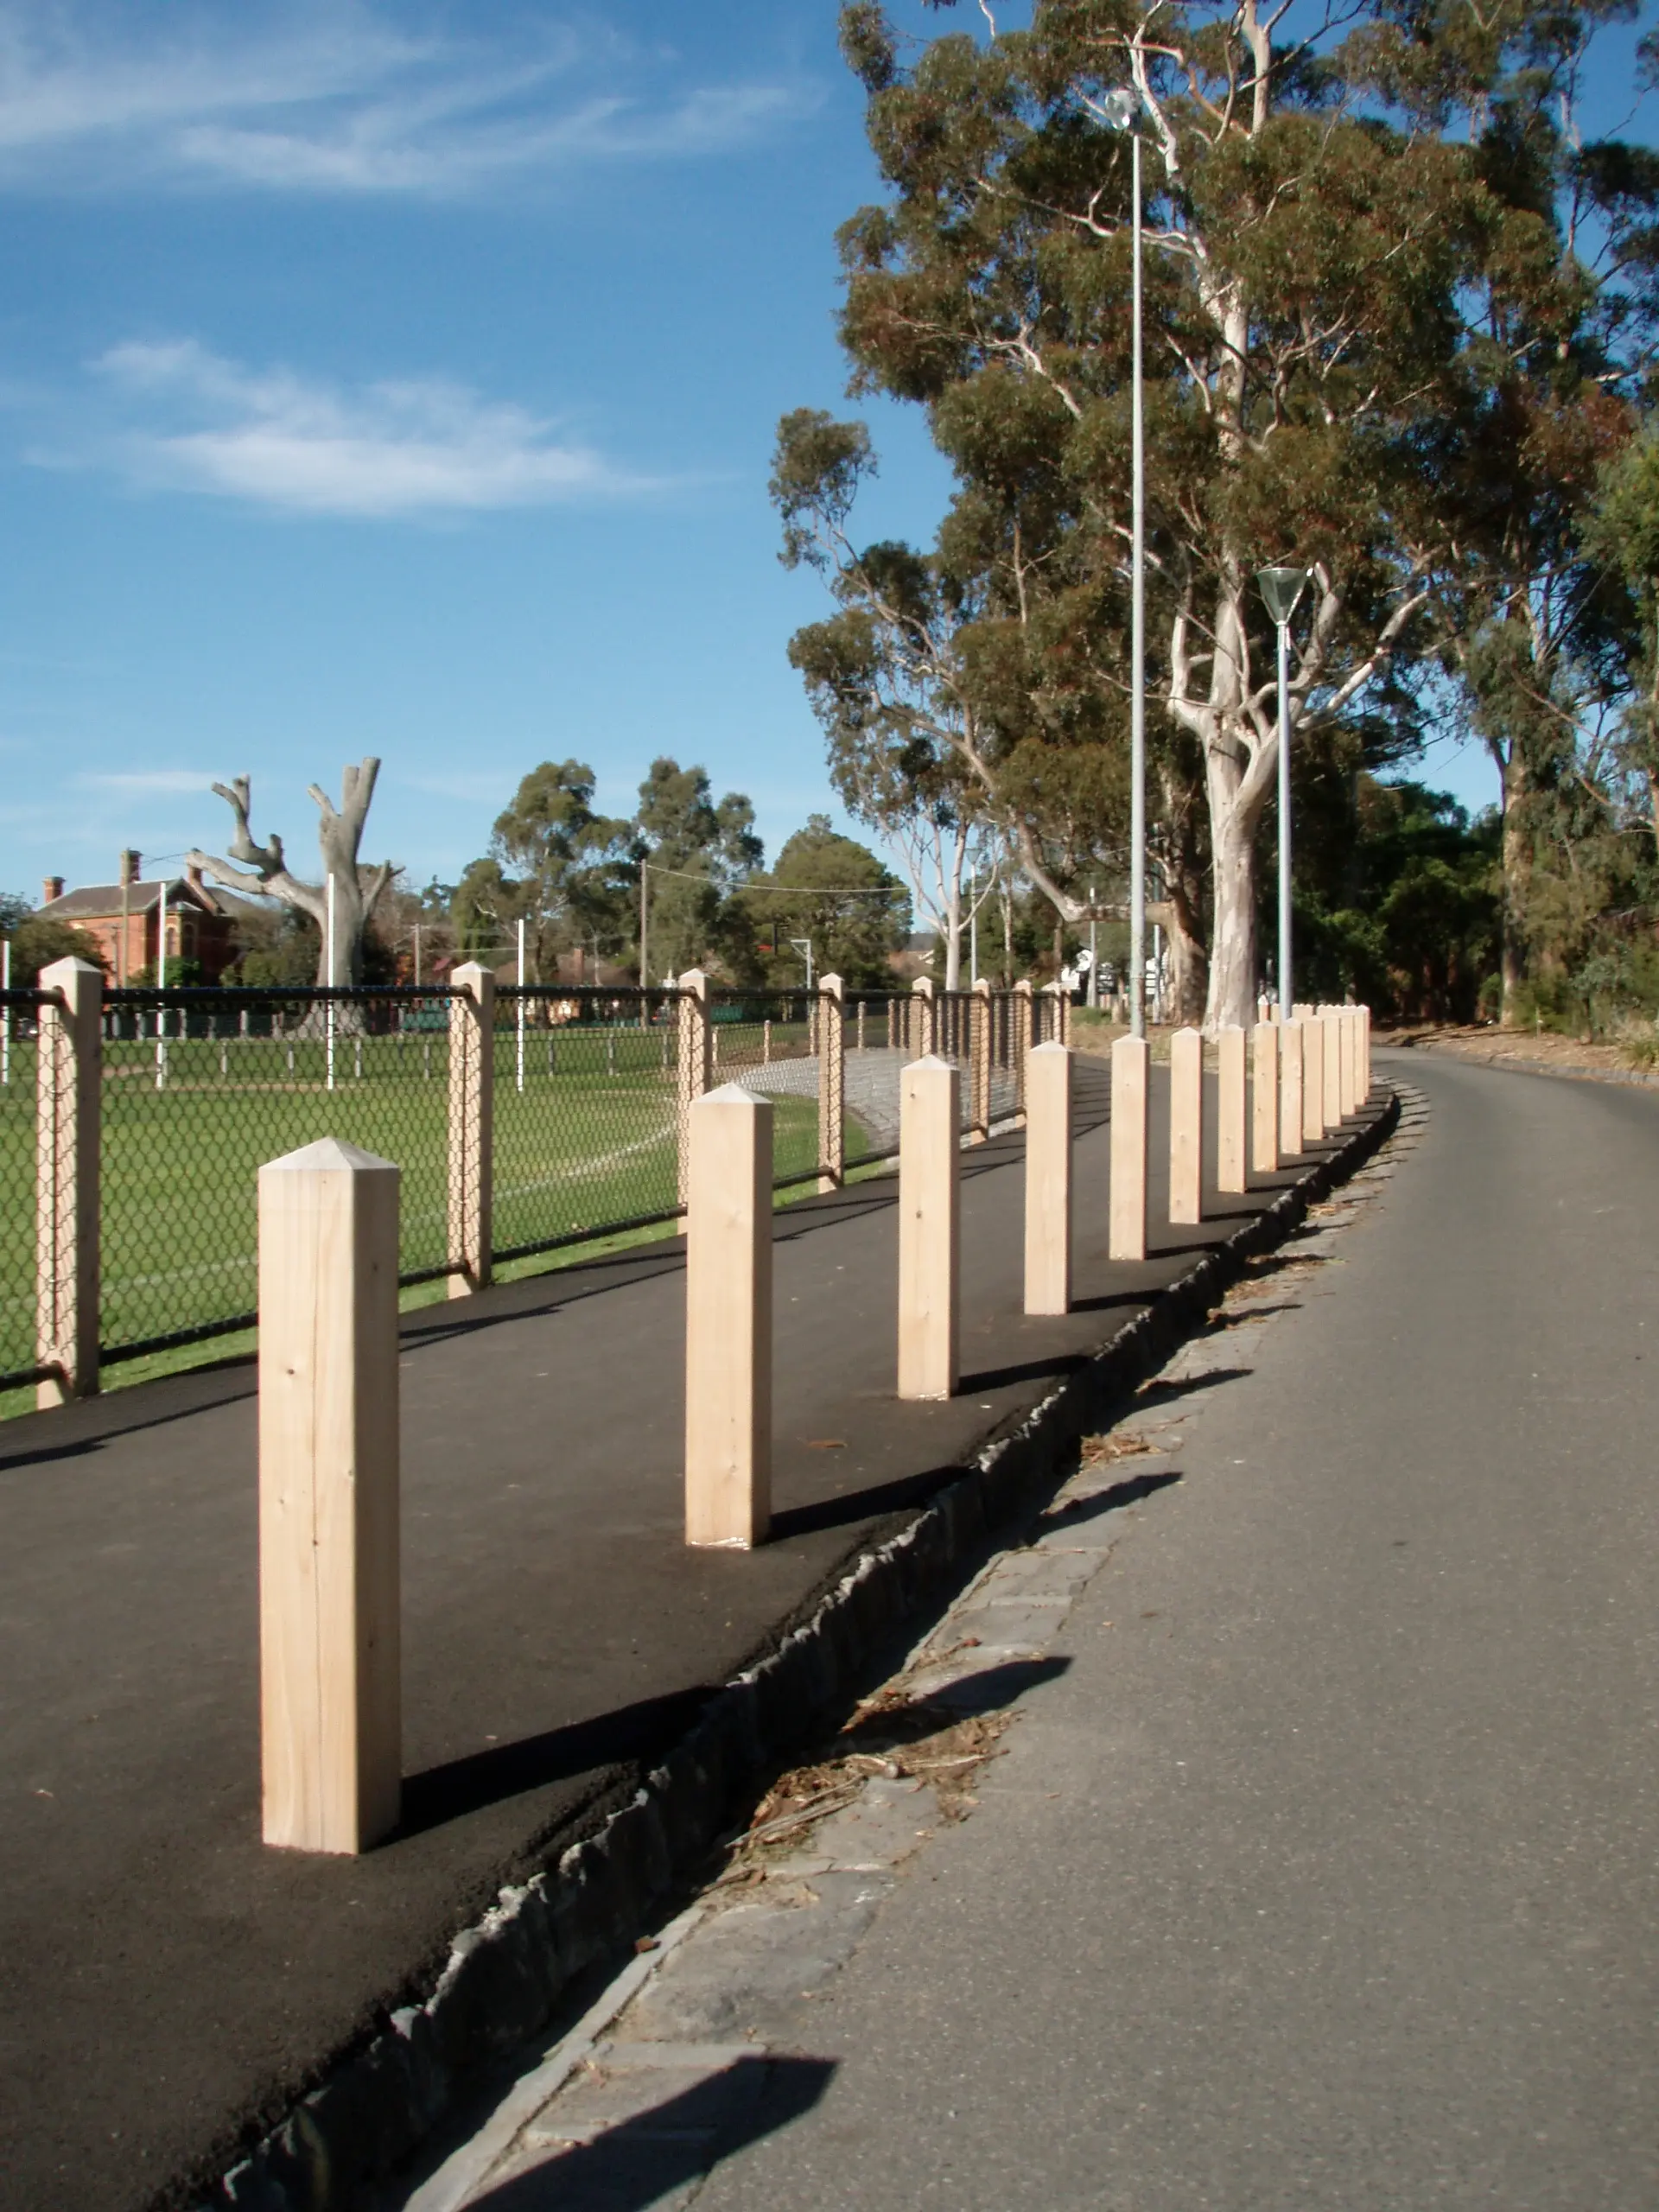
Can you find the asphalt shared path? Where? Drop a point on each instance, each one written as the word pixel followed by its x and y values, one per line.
pixel 1319 1868
pixel 167 1984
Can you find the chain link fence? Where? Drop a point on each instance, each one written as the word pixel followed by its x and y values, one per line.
pixel 590 1090
pixel 200 1088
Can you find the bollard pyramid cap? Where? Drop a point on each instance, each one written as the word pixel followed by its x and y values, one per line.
pixel 731 1094
pixel 329 1154
pixel 1052 1046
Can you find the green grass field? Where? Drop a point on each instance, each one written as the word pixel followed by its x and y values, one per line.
pixel 591 1142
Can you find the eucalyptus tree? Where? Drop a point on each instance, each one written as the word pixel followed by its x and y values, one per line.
pixel 347 893
pixel 1305 258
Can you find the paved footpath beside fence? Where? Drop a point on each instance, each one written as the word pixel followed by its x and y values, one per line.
pixel 170 1985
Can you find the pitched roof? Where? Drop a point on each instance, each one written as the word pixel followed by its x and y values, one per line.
pixel 102 901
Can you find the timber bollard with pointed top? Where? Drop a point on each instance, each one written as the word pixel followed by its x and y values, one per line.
pixel 1048 1180
pixel 1312 1076
pixel 1131 1063
pixel 929 1214
pixel 1186 1126
pixel 1291 1069
pixel 1264 1097
pixel 1232 1111
pixel 1331 1023
pixel 728 1318
pixel 1347 1063
pixel 329 1669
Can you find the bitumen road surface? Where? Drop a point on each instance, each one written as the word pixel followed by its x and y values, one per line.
pixel 167 1984
pixel 1323 1872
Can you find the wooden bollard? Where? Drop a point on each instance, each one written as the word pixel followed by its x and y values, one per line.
pixel 331 1728
pixel 1232 1111
pixel 1347 1059
pixel 1264 1097
pixel 1291 1059
pixel 1312 1080
pixel 1331 1022
pixel 1365 1051
pixel 1131 1062
pixel 1186 1126
pixel 1048 1180
pixel 929 1216
pixel 728 1318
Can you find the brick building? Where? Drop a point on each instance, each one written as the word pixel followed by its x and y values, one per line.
pixel 125 918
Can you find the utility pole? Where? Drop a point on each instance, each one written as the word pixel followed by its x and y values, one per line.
pixel 645 894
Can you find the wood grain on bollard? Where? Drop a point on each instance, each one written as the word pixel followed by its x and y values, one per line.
pixel 1264 1097
pixel 929 1216
pixel 1048 1180
pixel 729 1319
pixel 1186 1126
pixel 1291 1066
pixel 1348 1058
pixel 1131 1066
pixel 1232 1111
pixel 1331 1023
pixel 329 1665
pixel 1312 1078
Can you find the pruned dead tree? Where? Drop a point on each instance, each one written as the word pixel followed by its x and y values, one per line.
pixel 340 834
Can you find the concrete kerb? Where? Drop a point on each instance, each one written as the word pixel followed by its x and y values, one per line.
pixel 506 1977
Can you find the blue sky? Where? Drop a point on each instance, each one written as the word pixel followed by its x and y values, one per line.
pixel 398 379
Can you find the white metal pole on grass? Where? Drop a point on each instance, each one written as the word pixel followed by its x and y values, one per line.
pixel 328 1013
pixel 521 1002
pixel 973 928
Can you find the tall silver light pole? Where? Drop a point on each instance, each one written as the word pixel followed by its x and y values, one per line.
pixel 1122 112
pixel 1281 588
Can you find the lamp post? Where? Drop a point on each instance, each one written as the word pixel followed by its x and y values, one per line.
pixel 1281 588
pixel 1122 111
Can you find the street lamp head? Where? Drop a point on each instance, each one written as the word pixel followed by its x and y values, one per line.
pixel 1121 108
pixel 1281 588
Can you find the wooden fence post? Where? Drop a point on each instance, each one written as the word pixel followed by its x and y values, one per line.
pixel 1331 1023
pixel 1291 1140
pixel 68 1101
pixel 922 1029
pixel 694 1061
pixel 930 1213
pixel 1131 1061
pixel 472 1127
pixel 1365 1051
pixel 1022 1045
pixel 980 1043
pixel 832 1084
pixel 1264 1097
pixel 1186 1126
pixel 1048 1180
pixel 729 1319
pixel 329 1689
pixel 1232 1111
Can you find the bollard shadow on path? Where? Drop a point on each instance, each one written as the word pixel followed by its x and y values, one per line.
pixel 1077 1510
pixel 650 2157
pixel 896 1497
pixel 449 1792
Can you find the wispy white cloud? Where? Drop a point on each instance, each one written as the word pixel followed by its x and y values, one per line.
pixel 136 785
pixel 281 440
pixel 337 96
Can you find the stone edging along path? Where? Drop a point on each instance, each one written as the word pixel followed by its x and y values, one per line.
pixel 505 1976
